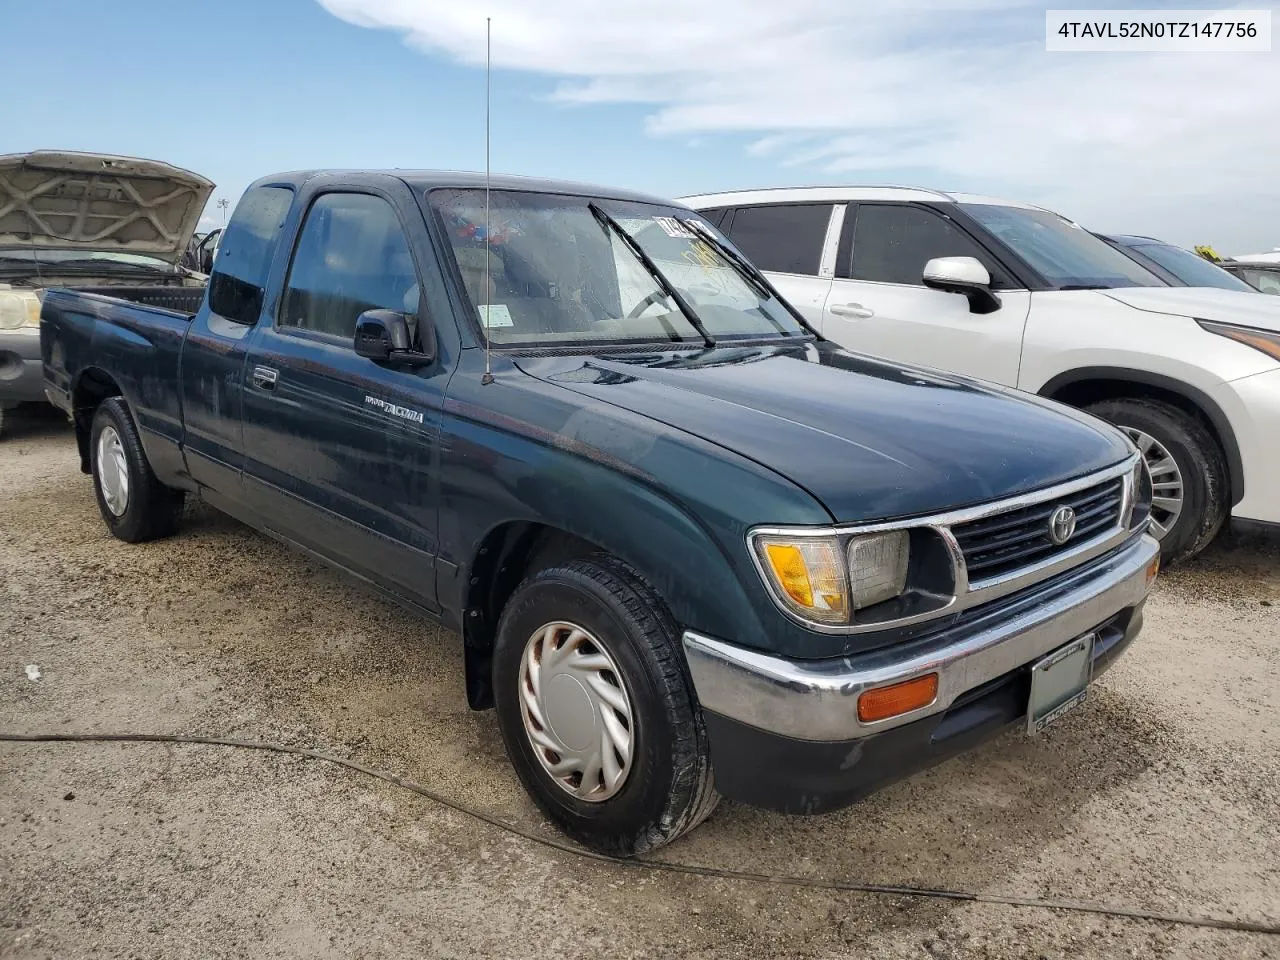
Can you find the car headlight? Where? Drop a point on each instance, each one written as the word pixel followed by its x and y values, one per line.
pixel 19 311
pixel 1268 341
pixel 846 579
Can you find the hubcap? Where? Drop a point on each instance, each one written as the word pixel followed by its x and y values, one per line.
pixel 576 711
pixel 1167 494
pixel 113 471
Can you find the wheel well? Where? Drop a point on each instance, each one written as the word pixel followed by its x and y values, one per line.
pixel 1083 392
pixel 92 387
pixel 508 554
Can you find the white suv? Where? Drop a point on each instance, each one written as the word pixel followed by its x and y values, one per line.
pixel 1018 295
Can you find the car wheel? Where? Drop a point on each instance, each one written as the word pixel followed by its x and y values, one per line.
pixel 1188 472
pixel 135 505
pixel 597 710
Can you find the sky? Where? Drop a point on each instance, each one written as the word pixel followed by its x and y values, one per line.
pixel 665 96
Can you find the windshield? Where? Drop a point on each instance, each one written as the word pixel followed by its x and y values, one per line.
pixel 1192 269
pixel 1067 256
pixel 42 258
pixel 551 270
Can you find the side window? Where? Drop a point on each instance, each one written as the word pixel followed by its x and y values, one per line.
pixel 351 256
pixel 893 242
pixel 784 238
pixel 245 250
pixel 714 215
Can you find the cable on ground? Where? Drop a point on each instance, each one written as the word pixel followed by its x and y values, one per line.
pixel 666 866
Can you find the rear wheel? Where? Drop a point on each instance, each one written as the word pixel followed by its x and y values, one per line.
pixel 135 505
pixel 597 710
pixel 1188 472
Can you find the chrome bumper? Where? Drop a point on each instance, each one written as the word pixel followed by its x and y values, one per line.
pixel 817 699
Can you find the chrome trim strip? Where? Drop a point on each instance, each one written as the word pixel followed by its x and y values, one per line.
pixel 968 594
pixel 817 700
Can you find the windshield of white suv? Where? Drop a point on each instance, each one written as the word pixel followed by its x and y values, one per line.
pixel 1066 255
pixel 1191 268
pixel 558 269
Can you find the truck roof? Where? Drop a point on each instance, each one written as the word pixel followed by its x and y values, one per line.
pixel 423 180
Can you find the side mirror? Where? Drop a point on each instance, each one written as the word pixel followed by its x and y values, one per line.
pixel 383 337
pixel 963 275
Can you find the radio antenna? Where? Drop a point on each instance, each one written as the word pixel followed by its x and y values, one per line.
pixel 488 58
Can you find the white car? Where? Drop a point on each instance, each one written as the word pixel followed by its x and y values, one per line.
pixel 1015 294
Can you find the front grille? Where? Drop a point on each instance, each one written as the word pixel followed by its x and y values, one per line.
pixel 1006 542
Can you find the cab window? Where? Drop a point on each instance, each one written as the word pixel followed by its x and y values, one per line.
pixel 351 256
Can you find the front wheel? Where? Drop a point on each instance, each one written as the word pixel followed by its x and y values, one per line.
pixel 135 505
pixel 597 710
pixel 1188 472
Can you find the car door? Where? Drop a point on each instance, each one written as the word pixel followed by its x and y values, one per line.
pixel 340 452
pixel 794 244
pixel 878 303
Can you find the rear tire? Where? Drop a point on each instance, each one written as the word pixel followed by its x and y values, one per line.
pixel 1200 475
pixel 667 788
pixel 135 505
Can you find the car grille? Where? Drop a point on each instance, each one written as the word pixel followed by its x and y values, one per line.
pixel 1007 542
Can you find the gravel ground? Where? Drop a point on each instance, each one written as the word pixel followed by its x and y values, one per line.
pixel 1159 795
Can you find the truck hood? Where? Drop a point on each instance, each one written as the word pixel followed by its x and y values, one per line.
pixel 868 439
pixel 58 200
pixel 1243 307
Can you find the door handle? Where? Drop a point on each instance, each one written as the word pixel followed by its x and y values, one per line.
pixel 855 311
pixel 265 377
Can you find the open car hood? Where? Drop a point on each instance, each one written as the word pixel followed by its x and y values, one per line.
pixel 59 200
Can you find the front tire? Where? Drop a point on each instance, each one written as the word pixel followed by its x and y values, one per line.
pixel 135 505
pixel 597 710
pixel 1188 472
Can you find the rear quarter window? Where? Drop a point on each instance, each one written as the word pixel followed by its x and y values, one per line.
pixel 245 252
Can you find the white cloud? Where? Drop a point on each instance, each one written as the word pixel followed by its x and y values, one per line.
pixel 959 93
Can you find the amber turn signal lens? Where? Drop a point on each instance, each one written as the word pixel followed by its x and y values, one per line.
pixel 885 702
pixel 1152 569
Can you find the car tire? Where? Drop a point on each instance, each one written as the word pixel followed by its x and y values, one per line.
pixel 135 505
pixel 1201 471
pixel 667 788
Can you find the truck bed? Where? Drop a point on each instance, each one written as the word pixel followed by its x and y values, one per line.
pixel 184 300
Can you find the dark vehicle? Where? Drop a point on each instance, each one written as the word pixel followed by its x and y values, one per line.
pixel 1174 265
pixel 691 548
pixel 92 222
pixel 1263 277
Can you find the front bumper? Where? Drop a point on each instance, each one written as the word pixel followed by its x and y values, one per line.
pixel 785 734
pixel 1253 406
pixel 21 372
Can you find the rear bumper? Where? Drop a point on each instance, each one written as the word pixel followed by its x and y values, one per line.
pixel 785 734
pixel 21 372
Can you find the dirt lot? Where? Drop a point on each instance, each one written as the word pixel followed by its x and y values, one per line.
pixel 1160 795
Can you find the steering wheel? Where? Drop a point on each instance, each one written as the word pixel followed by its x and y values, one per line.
pixel 645 304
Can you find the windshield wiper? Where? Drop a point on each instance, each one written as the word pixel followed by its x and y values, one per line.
pixel 746 269
pixel 646 261
pixel 1085 286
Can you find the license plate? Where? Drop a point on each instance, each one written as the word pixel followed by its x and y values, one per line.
pixel 1059 682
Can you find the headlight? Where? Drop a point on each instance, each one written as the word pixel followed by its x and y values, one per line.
pixel 19 310
pixel 827 579
pixel 1265 340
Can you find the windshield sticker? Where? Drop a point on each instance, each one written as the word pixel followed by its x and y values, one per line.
pixel 674 228
pixel 495 315
pixel 404 413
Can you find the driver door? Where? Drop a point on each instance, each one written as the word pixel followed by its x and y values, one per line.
pixel 878 303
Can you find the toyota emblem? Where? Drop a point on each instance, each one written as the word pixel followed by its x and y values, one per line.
pixel 1062 524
